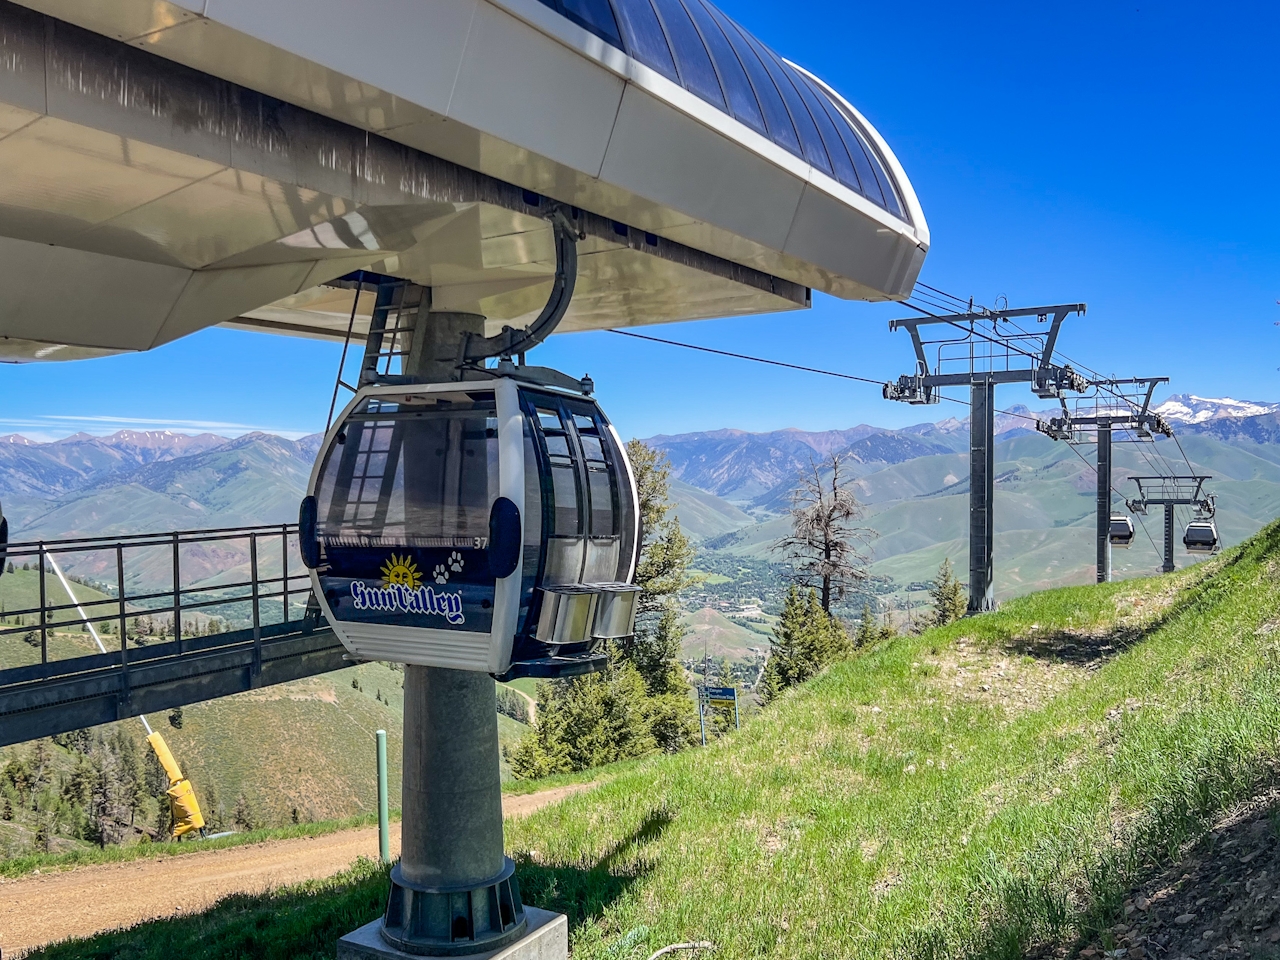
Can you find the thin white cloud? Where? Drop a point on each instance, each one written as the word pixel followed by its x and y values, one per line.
pixel 57 426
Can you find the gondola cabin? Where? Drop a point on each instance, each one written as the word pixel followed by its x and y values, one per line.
pixel 488 525
pixel 1120 531
pixel 1201 537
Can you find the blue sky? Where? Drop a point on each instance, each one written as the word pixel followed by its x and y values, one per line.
pixel 1124 155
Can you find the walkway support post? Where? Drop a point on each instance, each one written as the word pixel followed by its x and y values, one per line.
pixel 1104 501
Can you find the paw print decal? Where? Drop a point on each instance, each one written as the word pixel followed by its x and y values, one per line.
pixel 455 562
pixel 440 573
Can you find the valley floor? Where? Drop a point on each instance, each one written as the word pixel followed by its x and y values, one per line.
pixel 45 908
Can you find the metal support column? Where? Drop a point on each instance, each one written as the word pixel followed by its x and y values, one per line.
pixel 1104 502
pixel 454 891
pixel 1168 538
pixel 982 469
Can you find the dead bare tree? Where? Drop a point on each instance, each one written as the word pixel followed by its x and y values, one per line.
pixel 826 547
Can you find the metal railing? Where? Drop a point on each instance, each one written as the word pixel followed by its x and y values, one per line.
pixel 129 588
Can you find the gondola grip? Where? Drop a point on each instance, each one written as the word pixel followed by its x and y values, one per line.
pixel 308 544
pixel 504 538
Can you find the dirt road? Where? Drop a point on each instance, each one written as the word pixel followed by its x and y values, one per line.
pixel 77 903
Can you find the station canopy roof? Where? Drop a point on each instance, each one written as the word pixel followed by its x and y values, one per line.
pixel 176 164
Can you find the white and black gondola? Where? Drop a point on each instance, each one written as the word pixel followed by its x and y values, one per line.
pixel 1120 531
pixel 1201 536
pixel 486 525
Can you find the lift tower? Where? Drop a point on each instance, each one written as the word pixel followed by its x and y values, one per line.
pixel 1128 414
pixel 981 352
pixel 1170 492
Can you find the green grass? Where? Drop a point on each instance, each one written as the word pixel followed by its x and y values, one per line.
pixel 300 923
pixel 972 792
pixel 526 685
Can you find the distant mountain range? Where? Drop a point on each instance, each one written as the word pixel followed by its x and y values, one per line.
pixel 146 481
pixel 756 471
pixel 1187 408
pixel 914 482
pixel 731 486
pixel 750 470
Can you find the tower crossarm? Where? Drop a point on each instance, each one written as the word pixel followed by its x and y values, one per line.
pixel 1047 379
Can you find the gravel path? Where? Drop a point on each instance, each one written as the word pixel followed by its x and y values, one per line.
pixel 42 909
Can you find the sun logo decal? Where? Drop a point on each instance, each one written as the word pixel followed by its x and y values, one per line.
pixel 401 571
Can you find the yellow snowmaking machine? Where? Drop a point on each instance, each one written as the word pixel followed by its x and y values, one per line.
pixel 182 798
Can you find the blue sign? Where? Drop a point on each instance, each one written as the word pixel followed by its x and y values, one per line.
pixel 719 694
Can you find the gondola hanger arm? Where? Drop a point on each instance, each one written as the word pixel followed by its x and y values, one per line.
pixel 511 342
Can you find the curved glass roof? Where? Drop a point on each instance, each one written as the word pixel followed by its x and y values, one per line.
pixel 695 45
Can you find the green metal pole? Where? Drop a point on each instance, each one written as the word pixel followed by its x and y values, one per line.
pixel 384 830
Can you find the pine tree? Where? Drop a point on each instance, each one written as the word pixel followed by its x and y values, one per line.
pixel 806 640
pixel 662 570
pixel 110 796
pixel 41 767
pixel 244 816
pixel 789 651
pixel 947 594
pixel 211 807
pixel 588 721
pixel 868 632
pixel 641 701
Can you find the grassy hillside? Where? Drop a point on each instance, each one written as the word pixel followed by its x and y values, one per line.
pixel 718 636
pixel 704 515
pixel 1045 511
pixel 977 791
pixel 306 746
pixel 20 590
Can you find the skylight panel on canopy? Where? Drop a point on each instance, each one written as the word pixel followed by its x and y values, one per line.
pixel 694 44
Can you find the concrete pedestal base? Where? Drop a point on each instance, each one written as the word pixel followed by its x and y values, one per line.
pixel 547 939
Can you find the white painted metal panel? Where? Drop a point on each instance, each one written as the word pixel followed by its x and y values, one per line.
pixel 659 153
pixel 212 296
pixel 241 211
pixel 410 49
pixel 87 175
pixel 62 296
pixel 835 237
pixel 526 90
pixel 126 20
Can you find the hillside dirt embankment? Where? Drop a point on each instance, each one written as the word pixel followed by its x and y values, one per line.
pixel 1221 899
pixel 45 908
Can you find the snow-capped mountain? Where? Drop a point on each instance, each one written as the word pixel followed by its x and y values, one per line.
pixel 1188 408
